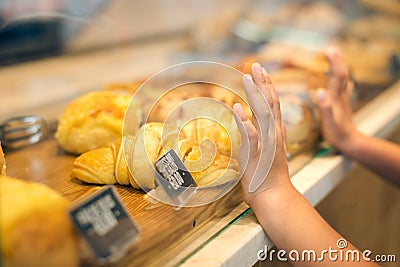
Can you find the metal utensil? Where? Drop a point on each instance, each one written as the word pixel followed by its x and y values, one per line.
pixel 22 131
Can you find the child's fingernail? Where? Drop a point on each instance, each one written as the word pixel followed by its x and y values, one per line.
pixel 248 77
pixel 264 71
pixel 237 108
pixel 332 51
pixel 257 67
pixel 320 94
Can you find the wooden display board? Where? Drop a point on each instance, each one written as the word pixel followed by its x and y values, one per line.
pixel 165 231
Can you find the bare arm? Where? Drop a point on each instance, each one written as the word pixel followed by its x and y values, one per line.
pixel 378 155
pixel 286 216
pixel 338 128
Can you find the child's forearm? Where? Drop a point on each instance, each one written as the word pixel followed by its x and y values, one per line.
pixel 380 156
pixel 293 224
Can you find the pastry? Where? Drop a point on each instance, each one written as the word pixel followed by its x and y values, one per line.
pixel 2 162
pixel 108 165
pixel 375 26
pixel 370 60
pixel 96 166
pixel 35 227
pixel 301 126
pixel 221 170
pixel 310 16
pixel 147 148
pixel 388 6
pixel 105 165
pixel 94 120
pixel 288 55
pixel 318 17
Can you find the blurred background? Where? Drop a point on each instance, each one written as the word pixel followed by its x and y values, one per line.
pixel 126 41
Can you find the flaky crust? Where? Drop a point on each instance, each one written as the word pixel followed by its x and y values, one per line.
pixel 108 165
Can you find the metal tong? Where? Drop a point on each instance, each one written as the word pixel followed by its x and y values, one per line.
pixel 22 131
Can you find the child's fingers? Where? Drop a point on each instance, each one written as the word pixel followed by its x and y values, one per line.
pixel 262 81
pixel 267 89
pixel 248 131
pixel 259 106
pixel 276 106
pixel 339 75
pixel 324 107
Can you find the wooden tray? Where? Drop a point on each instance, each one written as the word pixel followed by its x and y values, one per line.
pixel 165 231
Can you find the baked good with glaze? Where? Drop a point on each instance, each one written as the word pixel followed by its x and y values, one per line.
pixel 94 120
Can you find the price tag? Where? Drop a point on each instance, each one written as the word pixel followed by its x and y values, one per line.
pixel 106 226
pixel 174 179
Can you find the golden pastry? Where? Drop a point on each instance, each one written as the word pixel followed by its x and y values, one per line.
pixel 2 162
pixel 96 166
pixel 221 170
pixel 294 56
pixel 108 165
pixel 215 123
pixel 374 27
pixel 200 129
pixel 146 149
pixel 94 120
pixel 301 126
pixel 35 227
pixel 369 60
pixel 104 165
pixel 388 6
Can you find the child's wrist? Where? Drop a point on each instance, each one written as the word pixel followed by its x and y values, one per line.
pixel 273 192
pixel 353 144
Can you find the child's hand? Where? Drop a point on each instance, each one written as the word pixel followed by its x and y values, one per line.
pixel 260 92
pixel 334 105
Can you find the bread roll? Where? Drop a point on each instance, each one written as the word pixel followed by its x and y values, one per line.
pixel 94 120
pixel 35 227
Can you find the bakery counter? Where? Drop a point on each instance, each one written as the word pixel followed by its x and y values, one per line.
pixel 222 233
pixel 239 242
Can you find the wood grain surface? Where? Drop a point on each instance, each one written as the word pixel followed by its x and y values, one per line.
pixel 163 229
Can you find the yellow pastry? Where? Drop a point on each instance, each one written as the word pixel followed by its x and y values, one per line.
pixel 35 227
pixel 221 170
pixel 369 60
pixel 390 7
pixel 105 165
pixel 108 165
pixel 2 162
pixel 94 120
pixel 96 166
pixel 294 56
pixel 215 123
